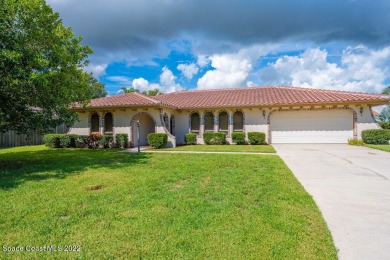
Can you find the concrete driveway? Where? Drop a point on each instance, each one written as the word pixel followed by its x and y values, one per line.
pixel 351 186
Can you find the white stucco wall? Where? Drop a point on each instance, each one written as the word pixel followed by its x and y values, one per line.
pixel 181 121
pixel 81 126
pixel 254 121
pixel 122 123
pixel 162 128
pixel 365 120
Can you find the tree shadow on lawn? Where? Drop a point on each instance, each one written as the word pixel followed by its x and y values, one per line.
pixel 19 167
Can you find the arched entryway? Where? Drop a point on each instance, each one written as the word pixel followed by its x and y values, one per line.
pixel 147 126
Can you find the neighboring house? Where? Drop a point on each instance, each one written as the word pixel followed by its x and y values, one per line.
pixel 285 114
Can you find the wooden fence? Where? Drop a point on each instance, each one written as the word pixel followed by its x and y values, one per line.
pixel 12 139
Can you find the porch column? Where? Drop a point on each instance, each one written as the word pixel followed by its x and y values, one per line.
pixel 201 128
pixel 101 126
pixel 230 122
pixel 216 122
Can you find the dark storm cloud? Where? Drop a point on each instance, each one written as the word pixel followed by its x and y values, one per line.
pixel 140 26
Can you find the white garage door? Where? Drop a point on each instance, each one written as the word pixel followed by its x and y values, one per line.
pixel 311 126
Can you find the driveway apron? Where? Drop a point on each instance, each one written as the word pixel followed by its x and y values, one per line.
pixel 351 186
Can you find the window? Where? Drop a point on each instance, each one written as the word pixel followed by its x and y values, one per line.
pixel 95 123
pixel 238 121
pixel 108 124
pixel 166 121
pixel 172 125
pixel 195 123
pixel 223 122
pixel 208 122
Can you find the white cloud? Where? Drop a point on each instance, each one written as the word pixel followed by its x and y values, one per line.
pixel 232 70
pixel 120 80
pixel 97 70
pixel 229 72
pixel 188 70
pixel 251 84
pixel 167 82
pixel 361 69
pixel 141 84
pixel 202 61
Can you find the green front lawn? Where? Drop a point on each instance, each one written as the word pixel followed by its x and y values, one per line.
pixel 127 205
pixel 383 147
pixel 225 148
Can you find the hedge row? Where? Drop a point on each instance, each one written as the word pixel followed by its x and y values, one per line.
pixel 122 140
pixel 190 138
pixel 254 138
pixel 238 137
pixel 83 141
pixel 157 140
pixel 214 138
pixel 385 125
pixel 376 136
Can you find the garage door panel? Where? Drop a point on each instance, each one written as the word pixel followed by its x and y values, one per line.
pixel 322 126
pixel 310 137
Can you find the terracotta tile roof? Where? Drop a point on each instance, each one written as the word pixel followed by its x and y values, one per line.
pixel 123 100
pixel 264 96
pixel 239 97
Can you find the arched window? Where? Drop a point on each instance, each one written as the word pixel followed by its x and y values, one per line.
pixel 238 121
pixel 223 122
pixel 95 123
pixel 195 123
pixel 172 125
pixel 108 124
pixel 208 122
pixel 166 121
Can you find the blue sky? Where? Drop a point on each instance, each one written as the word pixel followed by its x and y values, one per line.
pixel 178 45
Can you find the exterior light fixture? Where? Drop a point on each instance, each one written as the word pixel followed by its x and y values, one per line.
pixel 361 111
pixel 264 114
pixel 138 137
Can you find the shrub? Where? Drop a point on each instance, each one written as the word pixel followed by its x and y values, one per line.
pixel 355 142
pixel 376 136
pixel 94 140
pixel 67 140
pixel 190 138
pixel 157 140
pixel 106 141
pixel 256 137
pixel 214 138
pixel 52 140
pixel 81 141
pixel 385 125
pixel 238 137
pixel 121 140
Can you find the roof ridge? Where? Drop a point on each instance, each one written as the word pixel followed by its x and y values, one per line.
pixel 265 87
pixel 338 91
pixel 147 97
pixel 217 89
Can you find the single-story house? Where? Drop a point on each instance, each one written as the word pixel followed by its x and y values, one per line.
pixel 285 114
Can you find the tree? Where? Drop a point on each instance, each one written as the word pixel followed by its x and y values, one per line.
pixel 97 88
pixel 153 92
pixel 41 68
pixel 384 116
pixel 129 90
pixel 386 90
